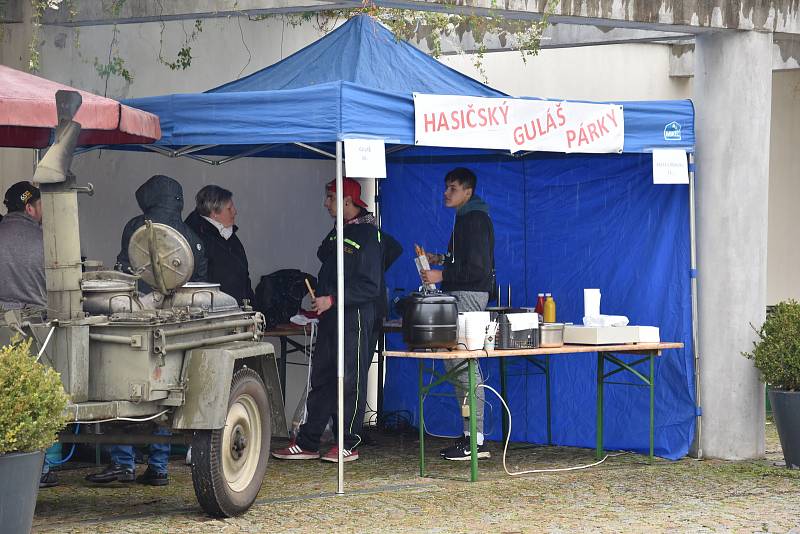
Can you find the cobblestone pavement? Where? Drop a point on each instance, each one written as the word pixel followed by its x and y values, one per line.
pixel 386 494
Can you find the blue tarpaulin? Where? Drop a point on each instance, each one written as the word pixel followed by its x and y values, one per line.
pixel 356 81
pixel 562 222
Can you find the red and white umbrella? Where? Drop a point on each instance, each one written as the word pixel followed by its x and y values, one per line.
pixel 28 115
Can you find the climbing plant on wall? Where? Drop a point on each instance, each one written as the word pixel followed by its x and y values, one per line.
pixel 428 26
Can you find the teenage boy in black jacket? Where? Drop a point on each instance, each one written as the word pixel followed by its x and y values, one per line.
pixel 468 276
pixel 363 273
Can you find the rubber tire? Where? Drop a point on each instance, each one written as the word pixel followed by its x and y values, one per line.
pixel 213 492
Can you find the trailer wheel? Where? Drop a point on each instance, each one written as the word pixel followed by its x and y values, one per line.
pixel 228 464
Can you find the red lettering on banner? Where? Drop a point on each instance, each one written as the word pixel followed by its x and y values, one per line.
pixel 582 138
pixel 612 117
pixel 519 137
pixel 471 117
pixel 443 122
pixel 482 117
pixel 602 125
pixel 430 120
pixel 454 118
pixel 593 132
pixel 570 137
pixel 562 120
pixel 504 111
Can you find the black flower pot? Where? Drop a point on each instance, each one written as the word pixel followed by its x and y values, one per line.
pixel 786 410
pixel 19 485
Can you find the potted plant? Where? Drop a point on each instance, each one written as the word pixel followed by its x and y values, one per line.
pixel 32 402
pixel 776 354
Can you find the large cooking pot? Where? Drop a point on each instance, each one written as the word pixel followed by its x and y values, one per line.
pixel 108 292
pixel 430 321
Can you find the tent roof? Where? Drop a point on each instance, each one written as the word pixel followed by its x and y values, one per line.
pixel 28 114
pixel 355 82
pixel 365 53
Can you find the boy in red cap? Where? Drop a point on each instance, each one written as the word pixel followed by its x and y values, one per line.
pixel 363 274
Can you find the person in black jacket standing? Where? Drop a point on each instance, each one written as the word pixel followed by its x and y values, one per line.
pixel 468 276
pixel 363 273
pixel 213 221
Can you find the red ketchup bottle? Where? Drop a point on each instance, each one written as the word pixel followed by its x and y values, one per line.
pixel 540 304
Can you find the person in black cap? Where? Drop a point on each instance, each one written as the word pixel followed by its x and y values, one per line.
pixel 22 282
pixel 22 279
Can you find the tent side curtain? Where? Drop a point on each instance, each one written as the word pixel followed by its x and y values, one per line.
pixel 561 225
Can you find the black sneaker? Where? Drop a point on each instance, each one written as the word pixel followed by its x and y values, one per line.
pixel 112 473
pixel 460 451
pixel 48 480
pixel 153 478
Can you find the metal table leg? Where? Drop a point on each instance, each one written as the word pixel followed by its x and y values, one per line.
pixel 473 423
pixel 502 362
pixel 421 420
pixel 282 366
pixel 381 363
pixel 600 380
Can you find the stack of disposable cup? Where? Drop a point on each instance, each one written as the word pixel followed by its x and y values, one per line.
pixel 475 329
pixel 462 331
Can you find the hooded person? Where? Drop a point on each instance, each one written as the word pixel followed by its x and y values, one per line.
pixel 161 200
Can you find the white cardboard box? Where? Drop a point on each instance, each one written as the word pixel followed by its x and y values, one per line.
pixel 610 335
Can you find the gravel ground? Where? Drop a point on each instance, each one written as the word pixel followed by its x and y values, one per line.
pixel 384 493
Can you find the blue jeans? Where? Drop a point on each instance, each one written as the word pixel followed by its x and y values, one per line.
pixel 157 459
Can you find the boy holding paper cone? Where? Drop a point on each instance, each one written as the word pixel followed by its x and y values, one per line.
pixel 468 275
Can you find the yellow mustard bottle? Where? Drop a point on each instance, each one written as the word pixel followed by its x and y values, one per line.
pixel 549 309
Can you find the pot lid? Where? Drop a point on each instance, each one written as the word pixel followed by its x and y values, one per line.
pixel 161 256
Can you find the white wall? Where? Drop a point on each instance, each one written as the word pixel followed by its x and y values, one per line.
pixel 609 72
pixel 783 252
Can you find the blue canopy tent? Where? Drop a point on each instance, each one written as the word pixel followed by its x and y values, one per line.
pixel 563 222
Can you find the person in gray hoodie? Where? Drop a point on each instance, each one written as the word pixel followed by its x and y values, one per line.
pixel 22 281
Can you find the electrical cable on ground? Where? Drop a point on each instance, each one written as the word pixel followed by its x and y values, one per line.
pixel 554 470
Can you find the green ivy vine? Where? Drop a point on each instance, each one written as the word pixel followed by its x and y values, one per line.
pixel 521 35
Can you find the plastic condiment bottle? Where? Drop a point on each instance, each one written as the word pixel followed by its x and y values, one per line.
pixel 549 309
pixel 540 304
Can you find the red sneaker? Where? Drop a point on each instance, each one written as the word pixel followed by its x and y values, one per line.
pixel 347 455
pixel 295 452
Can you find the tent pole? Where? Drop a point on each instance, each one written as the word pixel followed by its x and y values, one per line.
pixel 697 445
pixel 340 317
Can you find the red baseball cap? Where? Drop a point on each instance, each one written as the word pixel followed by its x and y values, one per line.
pixel 351 188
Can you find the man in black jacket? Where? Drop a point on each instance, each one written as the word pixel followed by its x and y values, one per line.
pixel 161 201
pixel 363 273
pixel 468 276
pixel 213 221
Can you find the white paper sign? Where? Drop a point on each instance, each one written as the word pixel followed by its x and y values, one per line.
pixel 670 166
pixel 364 158
pixel 516 124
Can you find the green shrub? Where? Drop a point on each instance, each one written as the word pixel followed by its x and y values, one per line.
pixel 776 353
pixel 32 401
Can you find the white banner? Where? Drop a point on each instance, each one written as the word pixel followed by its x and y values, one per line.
pixel 514 124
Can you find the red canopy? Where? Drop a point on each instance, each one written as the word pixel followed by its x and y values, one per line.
pixel 28 115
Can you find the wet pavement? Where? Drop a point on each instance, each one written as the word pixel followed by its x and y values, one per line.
pixel 384 493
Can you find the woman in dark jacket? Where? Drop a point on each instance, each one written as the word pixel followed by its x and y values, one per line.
pixel 213 221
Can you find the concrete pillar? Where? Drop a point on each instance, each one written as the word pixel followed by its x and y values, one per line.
pixel 733 82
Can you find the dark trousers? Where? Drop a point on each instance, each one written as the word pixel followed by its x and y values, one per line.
pixel 322 400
